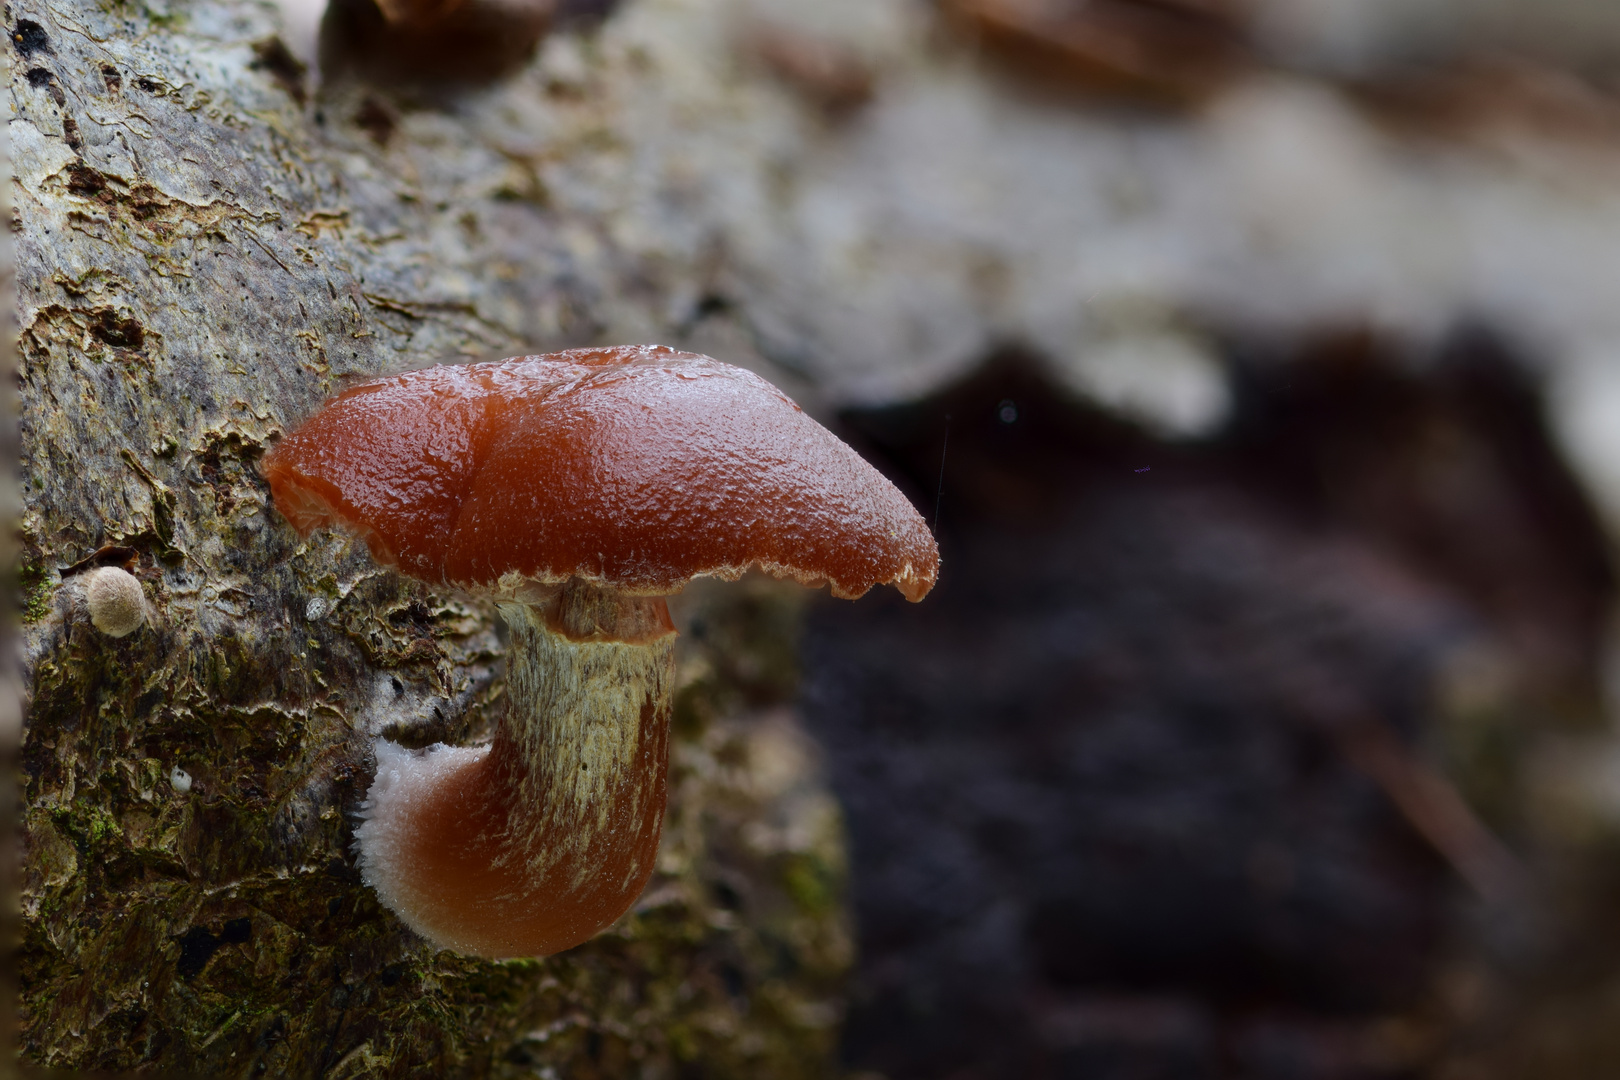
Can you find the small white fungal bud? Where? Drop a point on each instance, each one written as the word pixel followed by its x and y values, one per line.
pixel 117 604
pixel 180 780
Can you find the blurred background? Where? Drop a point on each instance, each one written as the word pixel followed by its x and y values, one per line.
pixel 1258 364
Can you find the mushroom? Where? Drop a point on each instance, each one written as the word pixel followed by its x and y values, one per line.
pixel 577 490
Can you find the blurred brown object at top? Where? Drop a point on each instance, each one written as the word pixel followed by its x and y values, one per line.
pixel 1478 94
pixel 832 76
pixel 437 42
pixel 1168 51
pixel 422 13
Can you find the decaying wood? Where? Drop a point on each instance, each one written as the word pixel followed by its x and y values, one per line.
pixel 204 253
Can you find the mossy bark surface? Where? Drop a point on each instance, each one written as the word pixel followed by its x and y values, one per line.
pixel 203 255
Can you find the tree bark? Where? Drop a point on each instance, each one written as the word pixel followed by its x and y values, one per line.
pixel 204 253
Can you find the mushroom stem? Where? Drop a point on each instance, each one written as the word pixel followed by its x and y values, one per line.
pixel 536 842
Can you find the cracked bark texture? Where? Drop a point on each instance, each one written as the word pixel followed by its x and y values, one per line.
pixel 203 255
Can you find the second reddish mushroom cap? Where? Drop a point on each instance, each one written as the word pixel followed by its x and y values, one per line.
pixel 638 468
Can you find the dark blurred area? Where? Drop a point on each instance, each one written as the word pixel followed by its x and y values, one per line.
pixel 1146 787
pixel 1273 747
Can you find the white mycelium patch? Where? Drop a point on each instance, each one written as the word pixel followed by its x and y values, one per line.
pixel 405 779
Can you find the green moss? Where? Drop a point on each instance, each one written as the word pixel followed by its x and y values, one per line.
pixel 34 587
pixel 86 824
pixel 683 1043
pixel 812 884
pixel 102 826
pixel 168 20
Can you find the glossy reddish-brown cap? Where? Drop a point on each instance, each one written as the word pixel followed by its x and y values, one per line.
pixel 638 468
